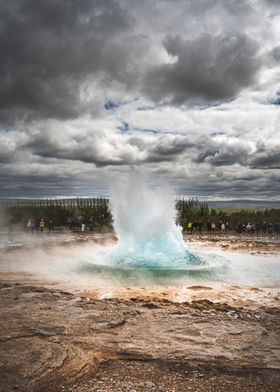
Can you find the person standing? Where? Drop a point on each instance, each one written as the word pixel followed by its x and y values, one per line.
pixel 91 223
pixel 227 227
pixel 51 226
pixel 42 225
pixel 248 228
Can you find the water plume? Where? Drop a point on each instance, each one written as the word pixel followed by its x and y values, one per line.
pixel 145 227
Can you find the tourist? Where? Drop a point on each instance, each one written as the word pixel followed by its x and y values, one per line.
pixel 69 222
pixel 227 227
pixel 32 226
pixel 264 227
pixel 28 225
pixel 248 228
pixel 83 227
pixel 91 223
pixel 194 226
pixel 42 225
pixel 37 225
pixel 238 227
pixel 51 226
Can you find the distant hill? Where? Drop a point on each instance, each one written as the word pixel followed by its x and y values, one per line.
pixel 244 204
pixel 224 204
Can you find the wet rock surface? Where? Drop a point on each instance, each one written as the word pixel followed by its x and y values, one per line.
pixel 254 244
pixel 52 340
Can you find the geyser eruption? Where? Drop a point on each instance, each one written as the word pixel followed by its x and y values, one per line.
pixel 144 223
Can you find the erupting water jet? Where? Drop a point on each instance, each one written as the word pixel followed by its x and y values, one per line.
pixel 145 227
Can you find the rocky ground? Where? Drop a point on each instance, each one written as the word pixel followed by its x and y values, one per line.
pixel 254 244
pixel 265 244
pixel 52 340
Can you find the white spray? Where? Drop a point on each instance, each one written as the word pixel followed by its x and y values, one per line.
pixel 144 223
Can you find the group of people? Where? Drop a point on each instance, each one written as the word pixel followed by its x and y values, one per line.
pixel 258 228
pixel 80 223
pixel 38 225
pixel 41 225
pixel 197 227
pixel 224 227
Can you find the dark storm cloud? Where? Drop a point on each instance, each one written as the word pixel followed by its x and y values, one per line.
pixel 10 146
pixel 274 3
pixel 209 68
pixel 237 182
pixel 102 150
pixel 87 149
pixel 163 148
pixel 276 53
pixel 49 48
pixel 172 146
pixel 251 187
pixel 52 50
pixel 221 153
pixel 224 153
pixel 36 185
pixel 58 166
pixel 265 157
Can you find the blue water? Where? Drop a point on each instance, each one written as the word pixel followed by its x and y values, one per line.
pixel 166 270
pixel 201 267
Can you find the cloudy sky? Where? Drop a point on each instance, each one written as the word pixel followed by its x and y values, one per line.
pixel 186 90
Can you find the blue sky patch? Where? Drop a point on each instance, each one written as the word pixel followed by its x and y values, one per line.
pixel 109 105
pixel 276 101
pixel 124 127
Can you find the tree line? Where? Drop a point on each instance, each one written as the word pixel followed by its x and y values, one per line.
pixel 192 210
pixel 98 210
pixel 59 211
